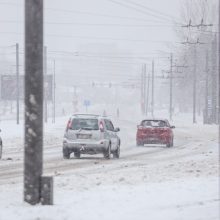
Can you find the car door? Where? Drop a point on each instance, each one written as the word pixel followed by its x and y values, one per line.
pixel 111 134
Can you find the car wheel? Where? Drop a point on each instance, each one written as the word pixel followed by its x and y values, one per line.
pixel 0 150
pixel 171 145
pixel 77 155
pixel 66 153
pixel 107 153
pixel 116 153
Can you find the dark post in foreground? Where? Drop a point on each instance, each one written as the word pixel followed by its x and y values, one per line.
pixel 36 188
pixel 33 100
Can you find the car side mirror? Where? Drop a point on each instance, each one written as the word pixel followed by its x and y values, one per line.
pixel 117 129
pixel 172 127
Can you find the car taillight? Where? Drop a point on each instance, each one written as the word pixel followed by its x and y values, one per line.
pixel 101 127
pixel 69 125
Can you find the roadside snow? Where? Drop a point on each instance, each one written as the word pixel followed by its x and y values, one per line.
pixel 150 182
pixel 155 201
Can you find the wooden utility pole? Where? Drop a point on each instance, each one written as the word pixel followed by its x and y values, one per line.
pixel 54 91
pixel 206 113
pixel 142 93
pixel 144 85
pixel 148 91
pixel 17 81
pixel 171 86
pixel 194 84
pixel 219 69
pixel 152 99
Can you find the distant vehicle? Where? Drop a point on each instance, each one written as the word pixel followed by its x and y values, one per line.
pixel 90 134
pixel 155 131
pixel 1 145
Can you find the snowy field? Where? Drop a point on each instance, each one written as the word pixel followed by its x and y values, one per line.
pixel 150 182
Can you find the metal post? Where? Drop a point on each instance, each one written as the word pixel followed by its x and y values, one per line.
pixel 194 85
pixel 142 90
pixel 214 80
pixel 171 87
pixel 219 69
pixel 17 80
pixel 33 100
pixel 54 91
pixel 206 89
pixel 152 99
pixel 144 84
pixel 45 82
pixel 148 88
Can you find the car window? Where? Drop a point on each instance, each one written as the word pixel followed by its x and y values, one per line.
pixel 154 123
pixel 109 125
pixel 85 123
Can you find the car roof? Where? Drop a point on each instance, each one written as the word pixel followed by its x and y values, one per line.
pixel 88 116
pixel 155 119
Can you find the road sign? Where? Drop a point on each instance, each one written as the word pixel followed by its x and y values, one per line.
pixel 86 103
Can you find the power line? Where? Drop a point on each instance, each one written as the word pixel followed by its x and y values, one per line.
pixel 139 10
pixel 92 38
pixel 159 13
pixel 95 24
pixel 103 56
pixel 84 13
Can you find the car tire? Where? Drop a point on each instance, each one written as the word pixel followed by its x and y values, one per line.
pixel 116 154
pixel 1 150
pixel 77 155
pixel 66 153
pixel 170 144
pixel 107 153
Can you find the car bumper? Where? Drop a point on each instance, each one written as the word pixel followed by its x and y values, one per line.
pixel 86 147
pixel 154 140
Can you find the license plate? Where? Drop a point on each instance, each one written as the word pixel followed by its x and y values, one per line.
pixel 83 136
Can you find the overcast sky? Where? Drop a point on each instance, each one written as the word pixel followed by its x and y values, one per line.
pixel 81 22
pixel 140 27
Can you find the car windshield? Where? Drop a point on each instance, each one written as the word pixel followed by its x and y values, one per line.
pixel 154 123
pixel 85 124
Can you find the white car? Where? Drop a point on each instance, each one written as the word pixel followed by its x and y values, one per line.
pixel 90 134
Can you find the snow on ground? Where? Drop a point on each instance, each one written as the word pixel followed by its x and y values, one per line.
pixel 150 182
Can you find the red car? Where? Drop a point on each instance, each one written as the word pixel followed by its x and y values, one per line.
pixel 154 131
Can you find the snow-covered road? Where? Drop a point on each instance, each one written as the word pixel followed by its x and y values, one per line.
pixel 150 182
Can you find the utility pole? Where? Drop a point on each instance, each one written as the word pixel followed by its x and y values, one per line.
pixel 142 89
pixel 45 83
pixel 152 99
pixel 144 84
pixel 206 113
pixel 148 88
pixel 17 81
pixel 194 84
pixel 37 188
pixel 219 69
pixel 171 86
pixel 214 80
pixel 54 91
pixel 33 100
